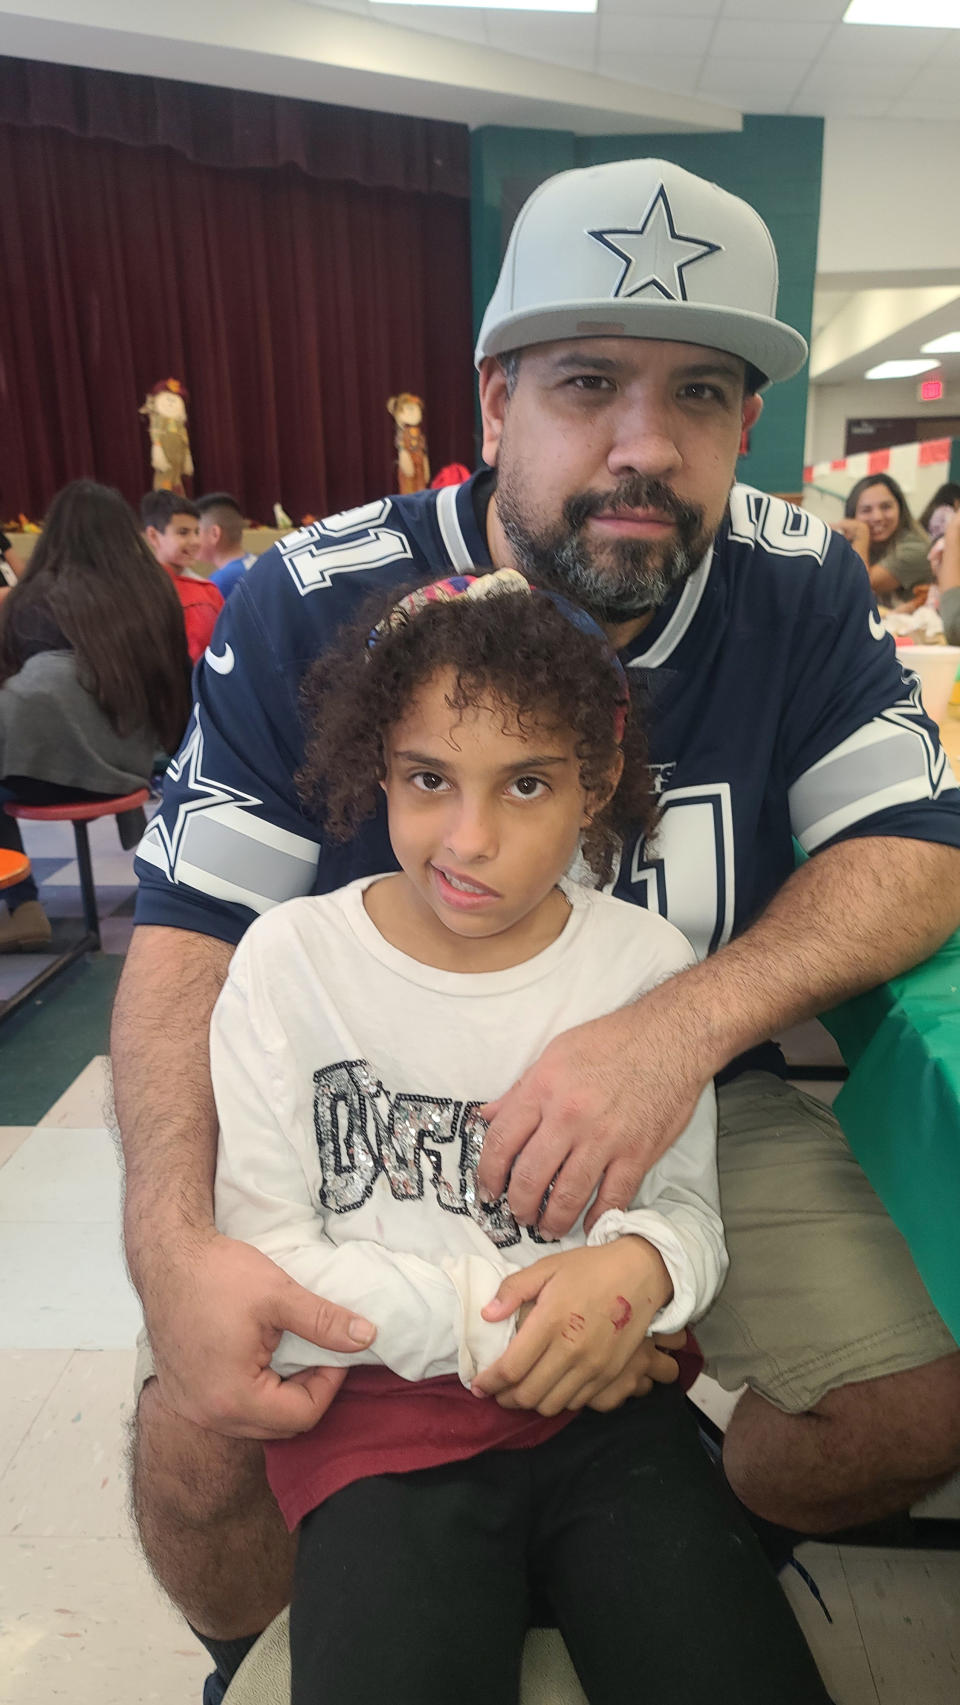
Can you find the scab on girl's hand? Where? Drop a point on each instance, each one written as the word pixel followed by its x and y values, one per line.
pixel 583 1315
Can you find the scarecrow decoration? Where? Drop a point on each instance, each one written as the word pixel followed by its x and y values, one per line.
pixel 166 411
pixel 413 465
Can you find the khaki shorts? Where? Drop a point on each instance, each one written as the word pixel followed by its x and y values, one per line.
pixel 821 1290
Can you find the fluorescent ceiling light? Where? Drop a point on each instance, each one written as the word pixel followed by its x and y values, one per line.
pixel 949 345
pixel 909 14
pixel 502 5
pixel 900 369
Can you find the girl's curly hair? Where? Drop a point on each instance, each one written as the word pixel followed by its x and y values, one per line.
pixel 521 649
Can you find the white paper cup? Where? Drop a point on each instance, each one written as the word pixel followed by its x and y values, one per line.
pixel 937 667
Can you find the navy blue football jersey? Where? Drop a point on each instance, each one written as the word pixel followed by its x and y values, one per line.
pixel 776 705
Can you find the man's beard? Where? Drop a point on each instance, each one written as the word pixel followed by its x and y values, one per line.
pixel 633 576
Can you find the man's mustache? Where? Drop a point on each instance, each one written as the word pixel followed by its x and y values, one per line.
pixel 637 492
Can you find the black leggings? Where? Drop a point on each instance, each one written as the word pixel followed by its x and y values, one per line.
pixel 417 1587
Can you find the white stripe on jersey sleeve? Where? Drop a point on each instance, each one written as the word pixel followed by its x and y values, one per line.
pixel 227 852
pixel 893 760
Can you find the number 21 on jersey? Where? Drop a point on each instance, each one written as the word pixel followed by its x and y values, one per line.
pixel 689 875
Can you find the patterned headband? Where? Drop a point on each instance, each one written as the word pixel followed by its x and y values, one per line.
pixel 504 580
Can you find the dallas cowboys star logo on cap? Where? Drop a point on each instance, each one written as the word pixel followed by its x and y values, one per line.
pixel 654 253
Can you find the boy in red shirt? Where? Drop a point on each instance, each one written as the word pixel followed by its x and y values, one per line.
pixel 171 526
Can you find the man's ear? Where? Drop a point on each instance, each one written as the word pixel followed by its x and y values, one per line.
pixel 152 537
pixel 493 407
pixel 752 410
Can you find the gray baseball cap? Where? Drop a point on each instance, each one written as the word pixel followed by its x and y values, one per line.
pixel 641 248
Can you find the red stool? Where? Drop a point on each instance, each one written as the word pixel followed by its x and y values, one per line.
pixel 79 812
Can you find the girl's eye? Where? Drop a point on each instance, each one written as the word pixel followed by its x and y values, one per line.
pixel 528 787
pixel 428 781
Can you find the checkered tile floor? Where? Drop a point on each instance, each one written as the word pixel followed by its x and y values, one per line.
pixel 52 854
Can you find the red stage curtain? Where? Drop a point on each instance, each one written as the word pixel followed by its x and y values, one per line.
pixel 291 306
pixel 234 127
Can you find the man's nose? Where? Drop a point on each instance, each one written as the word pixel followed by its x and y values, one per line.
pixel 644 443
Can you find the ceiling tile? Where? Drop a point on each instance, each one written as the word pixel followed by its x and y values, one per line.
pixel 559 40
pixel 869 44
pixel 909 106
pixel 658 8
pixel 345 5
pixel 937 81
pixel 466 25
pixel 655 35
pixel 768 38
pixel 817 11
pixel 840 104
pixel 675 72
pixel 742 79
pixel 871 82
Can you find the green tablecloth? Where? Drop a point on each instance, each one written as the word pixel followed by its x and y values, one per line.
pixel 900 1110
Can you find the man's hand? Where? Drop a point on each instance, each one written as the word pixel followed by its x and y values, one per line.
pixel 215 1319
pixel 600 1105
pixel 591 1312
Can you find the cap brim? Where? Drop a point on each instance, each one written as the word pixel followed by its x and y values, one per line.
pixel 776 349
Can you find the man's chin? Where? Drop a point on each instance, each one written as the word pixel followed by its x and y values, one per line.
pixel 619 584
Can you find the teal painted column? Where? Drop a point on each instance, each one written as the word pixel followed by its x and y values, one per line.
pixel 505 166
pixel 774 163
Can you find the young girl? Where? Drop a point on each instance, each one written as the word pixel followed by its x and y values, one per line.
pixel 357 1040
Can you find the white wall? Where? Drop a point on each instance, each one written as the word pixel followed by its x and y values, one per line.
pixel 889 198
pixel 829 407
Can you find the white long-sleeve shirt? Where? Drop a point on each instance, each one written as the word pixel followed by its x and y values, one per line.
pixel 348 1078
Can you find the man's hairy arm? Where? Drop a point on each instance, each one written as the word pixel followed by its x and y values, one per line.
pixel 604 1101
pixel 215 1308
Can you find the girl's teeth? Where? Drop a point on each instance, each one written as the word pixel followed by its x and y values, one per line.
pixel 464 887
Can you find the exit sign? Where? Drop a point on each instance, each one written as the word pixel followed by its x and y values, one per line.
pixel 930 390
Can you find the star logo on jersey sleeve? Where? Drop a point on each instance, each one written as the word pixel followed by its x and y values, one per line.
pixel 207 794
pixel 654 254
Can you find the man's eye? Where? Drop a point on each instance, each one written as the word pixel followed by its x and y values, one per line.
pixel 590 382
pixel 528 787
pixel 700 391
pixel 428 781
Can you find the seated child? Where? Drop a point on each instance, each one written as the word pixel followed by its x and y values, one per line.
pixel 171 526
pixel 221 541
pixel 358 1039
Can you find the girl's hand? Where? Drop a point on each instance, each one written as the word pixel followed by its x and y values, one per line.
pixel 857 533
pixel 587 1312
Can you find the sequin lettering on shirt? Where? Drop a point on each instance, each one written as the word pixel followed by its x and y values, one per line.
pixel 414 1142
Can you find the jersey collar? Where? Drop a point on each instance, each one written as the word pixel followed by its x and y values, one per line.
pixel 659 641
pixel 464 543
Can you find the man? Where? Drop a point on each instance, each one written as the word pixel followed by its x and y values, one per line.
pixel 221 540
pixel 619 363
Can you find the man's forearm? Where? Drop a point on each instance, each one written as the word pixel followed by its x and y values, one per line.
pixel 847 920
pixel 163 1095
